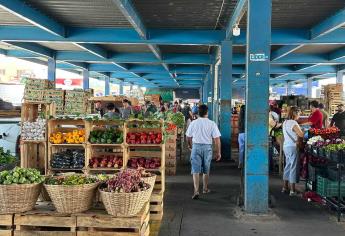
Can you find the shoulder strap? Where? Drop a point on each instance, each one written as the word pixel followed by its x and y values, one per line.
pixel 290 136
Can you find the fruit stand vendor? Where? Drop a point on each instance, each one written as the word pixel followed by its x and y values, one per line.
pixel 338 120
pixel 316 118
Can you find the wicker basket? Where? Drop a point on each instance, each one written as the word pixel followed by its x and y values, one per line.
pixel 125 204
pixel 150 180
pixel 44 196
pixel 72 199
pixel 18 198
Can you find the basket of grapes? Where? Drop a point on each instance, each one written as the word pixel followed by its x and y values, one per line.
pixel 125 194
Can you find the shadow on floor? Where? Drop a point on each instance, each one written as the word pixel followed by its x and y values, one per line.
pixel 216 214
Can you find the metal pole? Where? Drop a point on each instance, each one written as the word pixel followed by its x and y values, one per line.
pixel 107 86
pixel 258 73
pixel 225 98
pixel 51 69
pixel 86 79
pixel 310 88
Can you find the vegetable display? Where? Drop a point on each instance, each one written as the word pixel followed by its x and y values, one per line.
pixel 77 136
pixel 34 130
pixel 170 128
pixel 69 159
pixel 70 180
pixel 107 161
pixel 108 136
pixel 334 147
pixel 147 163
pixel 176 118
pixel 20 176
pixel 126 181
pixel 145 125
pixel 6 157
pixel 144 138
pixel 327 133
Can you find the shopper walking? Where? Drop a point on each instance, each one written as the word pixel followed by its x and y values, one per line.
pixel 291 131
pixel 200 135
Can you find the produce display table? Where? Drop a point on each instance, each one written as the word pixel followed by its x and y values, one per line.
pixel 44 220
pixel 6 222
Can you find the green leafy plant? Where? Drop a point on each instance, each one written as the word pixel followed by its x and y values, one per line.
pixel 70 180
pixel 20 176
pixel 6 157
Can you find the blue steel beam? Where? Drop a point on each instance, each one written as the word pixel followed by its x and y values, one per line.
pixel 94 49
pixel 284 51
pixel 327 26
pixel 20 9
pixel 290 70
pixel 258 73
pixel 237 14
pixel 337 55
pixel 225 87
pixel 34 48
pixel 163 36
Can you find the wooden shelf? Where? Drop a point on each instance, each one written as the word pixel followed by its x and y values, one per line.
pixel 68 144
pixel 57 169
pixel 105 145
pixel 144 145
pixel 33 141
pixel 104 169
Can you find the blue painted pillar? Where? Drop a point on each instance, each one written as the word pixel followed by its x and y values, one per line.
pixel 210 95
pixel 309 87
pixel 107 86
pixel 225 88
pixel 51 69
pixel 86 79
pixel 257 69
pixel 121 88
pixel 340 76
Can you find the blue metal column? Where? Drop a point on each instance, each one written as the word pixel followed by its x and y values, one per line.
pixel 340 76
pixel 107 86
pixel 309 87
pixel 121 88
pixel 211 92
pixel 51 69
pixel 225 89
pixel 86 79
pixel 257 67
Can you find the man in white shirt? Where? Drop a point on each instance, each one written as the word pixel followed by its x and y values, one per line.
pixel 200 135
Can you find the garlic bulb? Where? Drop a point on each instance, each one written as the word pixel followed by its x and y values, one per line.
pixel 34 130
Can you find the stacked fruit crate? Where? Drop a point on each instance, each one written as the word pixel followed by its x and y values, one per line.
pixel 56 96
pixel 333 96
pixel 170 153
pixel 35 89
pixel 76 101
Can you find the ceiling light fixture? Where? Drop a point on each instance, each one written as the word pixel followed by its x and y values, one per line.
pixel 236 31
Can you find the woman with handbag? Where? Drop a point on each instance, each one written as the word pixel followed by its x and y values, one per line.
pixel 292 132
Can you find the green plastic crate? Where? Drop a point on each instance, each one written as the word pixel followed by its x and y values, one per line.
pixel 329 188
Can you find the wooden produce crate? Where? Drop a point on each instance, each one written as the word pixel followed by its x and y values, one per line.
pixel 76 101
pixel 156 205
pixel 34 155
pixel 30 111
pixel 34 95
pixel 39 84
pixel 6 224
pixel 104 150
pixel 44 221
pixel 63 125
pixel 56 96
pixel 99 223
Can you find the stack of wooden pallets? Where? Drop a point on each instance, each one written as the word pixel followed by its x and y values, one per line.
pixel 333 96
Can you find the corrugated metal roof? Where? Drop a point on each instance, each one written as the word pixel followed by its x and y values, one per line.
pixel 82 13
pixel 300 13
pixel 61 46
pixel 185 48
pixel 7 18
pixel 126 47
pixel 319 49
pixel 208 14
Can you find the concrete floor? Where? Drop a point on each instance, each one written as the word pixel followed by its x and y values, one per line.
pixel 217 214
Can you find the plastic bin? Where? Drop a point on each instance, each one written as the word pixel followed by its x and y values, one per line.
pixel 328 188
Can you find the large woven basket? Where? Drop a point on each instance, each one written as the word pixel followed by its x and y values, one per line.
pixel 18 198
pixel 150 180
pixel 72 198
pixel 125 204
